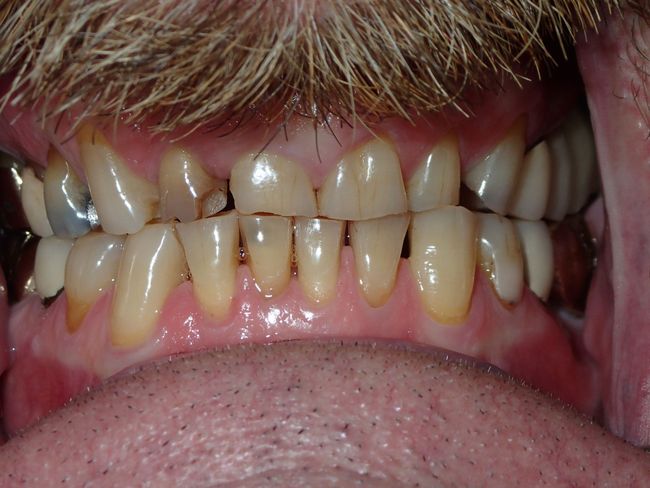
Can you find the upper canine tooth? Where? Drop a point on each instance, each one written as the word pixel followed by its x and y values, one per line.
pixel 271 184
pixel 212 251
pixel 49 265
pixel 124 200
pixel 500 256
pixel 436 182
pixel 152 265
pixel 531 194
pixel 268 246
pixel 580 138
pixel 377 246
pixel 318 249
pixel 494 178
pixel 366 184
pixel 537 247
pixel 443 260
pixel 32 198
pixel 183 183
pixel 91 269
pixel 67 198
pixel 561 177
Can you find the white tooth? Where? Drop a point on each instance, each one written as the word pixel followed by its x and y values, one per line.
pixel 91 270
pixel 531 194
pixel 537 247
pixel 436 182
pixel 366 184
pixel 318 249
pixel 268 246
pixel 377 246
pixel 501 257
pixel 66 198
pixel 124 200
pixel 152 265
pixel 443 260
pixel 182 183
pixel 212 250
pixel 561 177
pixel 272 184
pixel 495 177
pixel 32 198
pixel 49 265
pixel 583 150
pixel 216 200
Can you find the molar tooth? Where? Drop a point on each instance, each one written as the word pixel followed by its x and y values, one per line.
pixel 561 177
pixel 531 194
pixel 268 246
pixel 436 182
pixel 12 215
pixel 271 184
pixel 537 248
pixel 581 143
pixel 494 178
pixel 124 201
pixel 366 184
pixel 67 198
pixel 49 265
pixel 152 265
pixel 183 183
pixel 32 198
pixel 500 256
pixel 91 269
pixel 377 246
pixel 318 249
pixel 443 260
pixel 212 250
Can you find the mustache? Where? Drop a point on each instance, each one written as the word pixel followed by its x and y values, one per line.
pixel 185 63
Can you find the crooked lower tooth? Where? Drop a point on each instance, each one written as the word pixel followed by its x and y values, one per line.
pixel 531 194
pixel 377 246
pixel 272 184
pixel 436 182
pixel 495 177
pixel 318 249
pixel 581 143
pixel 561 177
pixel 212 251
pixel 32 197
pixel 91 269
pixel 500 256
pixel 443 260
pixel 49 265
pixel 537 248
pixel 366 184
pixel 268 246
pixel 152 265
pixel 124 201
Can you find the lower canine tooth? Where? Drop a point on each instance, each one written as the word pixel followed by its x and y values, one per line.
pixel 212 251
pixel 49 265
pixel 500 256
pixel 561 177
pixel 152 265
pixel 91 270
pixel 443 260
pixel 32 198
pixel 531 194
pixel 537 248
pixel 377 246
pixel 318 250
pixel 124 200
pixel 268 245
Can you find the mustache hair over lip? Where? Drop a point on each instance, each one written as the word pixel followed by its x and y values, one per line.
pixel 184 63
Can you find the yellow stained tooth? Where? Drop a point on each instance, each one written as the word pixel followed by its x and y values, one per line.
pixel 268 246
pixel 436 182
pixel 318 249
pixel 271 184
pixel 531 194
pixel 212 250
pixel 32 198
pixel 125 202
pixel 366 184
pixel 49 265
pixel 377 246
pixel 91 269
pixel 152 265
pixel 537 247
pixel 443 260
